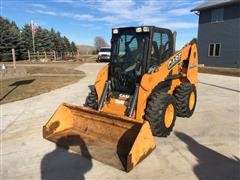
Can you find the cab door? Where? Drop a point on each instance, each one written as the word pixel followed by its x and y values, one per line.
pixel 161 47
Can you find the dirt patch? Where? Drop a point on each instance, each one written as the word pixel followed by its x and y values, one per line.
pixel 221 71
pixel 22 88
pixel 88 58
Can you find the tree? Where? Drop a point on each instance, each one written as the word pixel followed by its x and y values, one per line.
pixel 100 42
pixel 55 40
pixel 66 44
pixel 26 40
pixel 42 40
pixel 10 38
pixel 73 47
pixel 21 40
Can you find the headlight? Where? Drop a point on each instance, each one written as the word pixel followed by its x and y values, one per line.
pixel 145 29
pixel 115 31
pixel 138 29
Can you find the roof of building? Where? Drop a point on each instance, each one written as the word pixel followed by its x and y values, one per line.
pixel 210 4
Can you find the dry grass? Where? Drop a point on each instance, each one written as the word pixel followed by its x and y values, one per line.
pixel 81 59
pixel 22 88
pixel 51 70
pixel 221 71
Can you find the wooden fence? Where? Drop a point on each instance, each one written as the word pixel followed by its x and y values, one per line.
pixel 39 56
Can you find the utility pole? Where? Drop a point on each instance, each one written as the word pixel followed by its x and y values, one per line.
pixel 54 53
pixel 29 57
pixel 33 45
pixel 14 58
pixel 33 36
pixel 20 34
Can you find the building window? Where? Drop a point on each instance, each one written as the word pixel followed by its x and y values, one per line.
pixel 217 15
pixel 214 49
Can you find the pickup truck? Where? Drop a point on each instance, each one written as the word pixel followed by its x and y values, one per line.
pixel 104 54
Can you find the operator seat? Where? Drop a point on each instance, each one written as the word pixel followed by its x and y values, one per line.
pixel 155 56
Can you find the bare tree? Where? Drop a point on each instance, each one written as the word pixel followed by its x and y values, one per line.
pixel 86 49
pixel 100 42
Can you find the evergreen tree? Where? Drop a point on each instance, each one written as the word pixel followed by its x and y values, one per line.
pixel 67 45
pixel 21 40
pixel 73 47
pixel 59 43
pixel 53 39
pixel 10 38
pixel 26 40
pixel 43 41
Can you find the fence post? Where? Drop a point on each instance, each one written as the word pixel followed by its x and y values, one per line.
pixel 29 58
pixel 54 53
pixel 14 58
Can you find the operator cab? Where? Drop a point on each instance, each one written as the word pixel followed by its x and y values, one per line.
pixel 135 50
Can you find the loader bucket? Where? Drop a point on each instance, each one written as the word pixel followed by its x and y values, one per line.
pixel 118 141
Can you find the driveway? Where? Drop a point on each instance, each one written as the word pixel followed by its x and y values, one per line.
pixel 206 146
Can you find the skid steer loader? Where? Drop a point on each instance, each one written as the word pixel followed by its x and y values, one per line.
pixel 135 97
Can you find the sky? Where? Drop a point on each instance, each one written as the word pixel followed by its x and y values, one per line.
pixel 82 20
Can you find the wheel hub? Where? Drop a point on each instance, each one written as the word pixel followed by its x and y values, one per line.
pixel 169 114
pixel 191 101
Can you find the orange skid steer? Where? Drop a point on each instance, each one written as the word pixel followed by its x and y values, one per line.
pixel 135 97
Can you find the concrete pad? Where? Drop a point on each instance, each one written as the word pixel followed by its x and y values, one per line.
pixel 205 146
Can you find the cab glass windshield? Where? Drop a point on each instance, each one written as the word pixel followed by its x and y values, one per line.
pixel 105 50
pixel 128 49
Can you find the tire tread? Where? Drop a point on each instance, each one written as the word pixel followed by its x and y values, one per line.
pixel 155 112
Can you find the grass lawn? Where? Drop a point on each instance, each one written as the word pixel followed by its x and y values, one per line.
pixel 51 70
pixel 24 87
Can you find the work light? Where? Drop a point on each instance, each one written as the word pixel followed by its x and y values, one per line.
pixel 115 31
pixel 145 29
pixel 138 29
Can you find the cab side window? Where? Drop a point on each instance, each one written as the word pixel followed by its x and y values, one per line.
pixel 155 53
pixel 160 50
pixel 164 48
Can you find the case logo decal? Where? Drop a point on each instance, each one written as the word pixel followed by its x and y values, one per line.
pixel 176 59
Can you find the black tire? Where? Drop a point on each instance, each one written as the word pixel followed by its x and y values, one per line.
pixel 182 95
pixel 92 100
pixel 155 113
